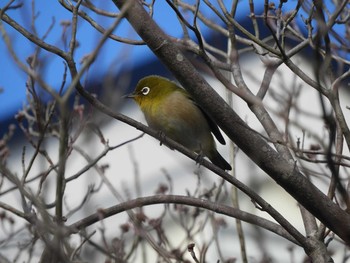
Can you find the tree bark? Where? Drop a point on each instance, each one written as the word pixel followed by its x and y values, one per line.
pixel 255 147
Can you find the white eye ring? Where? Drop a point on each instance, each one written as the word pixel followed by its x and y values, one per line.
pixel 145 90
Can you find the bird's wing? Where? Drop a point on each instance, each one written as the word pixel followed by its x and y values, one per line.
pixel 214 128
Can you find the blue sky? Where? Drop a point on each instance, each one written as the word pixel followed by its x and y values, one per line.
pixel 13 80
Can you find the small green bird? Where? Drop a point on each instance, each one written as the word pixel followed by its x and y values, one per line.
pixel 171 110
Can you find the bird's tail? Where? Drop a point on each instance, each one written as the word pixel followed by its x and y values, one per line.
pixel 219 161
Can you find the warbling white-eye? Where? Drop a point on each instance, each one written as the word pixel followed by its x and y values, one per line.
pixel 171 110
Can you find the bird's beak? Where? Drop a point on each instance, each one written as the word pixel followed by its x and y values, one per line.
pixel 128 96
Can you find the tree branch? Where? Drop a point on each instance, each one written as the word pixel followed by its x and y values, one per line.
pixel 184 200
pixel 282 171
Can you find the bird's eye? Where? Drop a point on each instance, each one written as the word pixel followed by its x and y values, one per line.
pixel 145 90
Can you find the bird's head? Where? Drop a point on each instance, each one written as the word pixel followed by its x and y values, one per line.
pixel 152 89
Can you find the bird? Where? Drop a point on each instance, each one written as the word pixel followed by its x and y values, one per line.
pixel 170 109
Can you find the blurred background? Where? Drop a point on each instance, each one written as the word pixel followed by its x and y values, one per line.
pixel 142 167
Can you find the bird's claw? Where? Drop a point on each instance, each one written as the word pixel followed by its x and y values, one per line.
pixel 199 158
pixel 162 137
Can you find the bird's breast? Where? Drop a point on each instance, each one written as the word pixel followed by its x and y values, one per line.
pixel 181 120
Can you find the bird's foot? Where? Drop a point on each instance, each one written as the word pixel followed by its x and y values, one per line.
pixel 161 137
pixel 199 158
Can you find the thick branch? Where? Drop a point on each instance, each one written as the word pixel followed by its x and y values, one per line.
pixel 282 171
